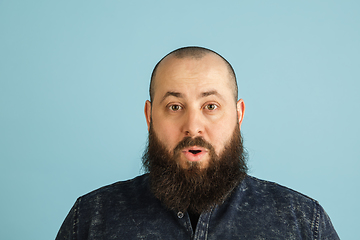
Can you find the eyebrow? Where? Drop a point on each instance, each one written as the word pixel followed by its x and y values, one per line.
pixel 170 93
pixel 209 93
pixel 180 95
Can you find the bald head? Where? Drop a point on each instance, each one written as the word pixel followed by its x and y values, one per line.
pixel 195 53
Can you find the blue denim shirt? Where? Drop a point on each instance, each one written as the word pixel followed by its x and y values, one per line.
pixel 256 209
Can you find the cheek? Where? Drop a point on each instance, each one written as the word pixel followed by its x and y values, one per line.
pixel 167 134
pixel 221 134
pixel 218 142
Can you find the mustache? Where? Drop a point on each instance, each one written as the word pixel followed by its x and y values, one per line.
pixel 190 142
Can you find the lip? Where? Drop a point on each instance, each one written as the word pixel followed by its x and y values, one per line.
pixel 194 157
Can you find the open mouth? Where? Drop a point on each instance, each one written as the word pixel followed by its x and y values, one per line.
pixel 194 153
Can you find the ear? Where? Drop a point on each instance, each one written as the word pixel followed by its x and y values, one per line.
pixel 240 108
pixel 147 111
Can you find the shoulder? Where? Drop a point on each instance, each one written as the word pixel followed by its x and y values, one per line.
pixel 120 192
pixel 273 194
pixel 129 185
pixel 264 187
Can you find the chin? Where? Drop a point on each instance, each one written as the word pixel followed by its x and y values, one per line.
pixel 200 165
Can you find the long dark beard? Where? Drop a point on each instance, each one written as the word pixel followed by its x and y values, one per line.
pixel 194 189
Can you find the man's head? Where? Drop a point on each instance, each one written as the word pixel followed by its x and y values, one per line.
pixel 194 125
pixel 193 96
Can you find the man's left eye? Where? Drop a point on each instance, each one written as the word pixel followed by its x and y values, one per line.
pixel 211 107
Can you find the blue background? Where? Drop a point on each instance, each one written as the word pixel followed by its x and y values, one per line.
pixel 74 78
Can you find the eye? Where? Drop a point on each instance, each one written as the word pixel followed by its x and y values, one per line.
pixel 211 107
pixel 175 107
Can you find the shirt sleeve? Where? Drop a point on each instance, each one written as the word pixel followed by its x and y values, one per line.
pixel 324 228
pixel 68 230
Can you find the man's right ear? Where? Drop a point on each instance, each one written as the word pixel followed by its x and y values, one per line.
pixel 147 111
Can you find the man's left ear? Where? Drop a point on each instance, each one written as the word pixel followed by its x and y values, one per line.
pixel 240 108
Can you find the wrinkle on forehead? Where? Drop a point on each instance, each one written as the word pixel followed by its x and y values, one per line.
pixel 196 69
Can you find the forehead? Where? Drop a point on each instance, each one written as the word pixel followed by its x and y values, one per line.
pixel 193 74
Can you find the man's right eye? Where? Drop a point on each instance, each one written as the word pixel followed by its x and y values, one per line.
pixel 175 108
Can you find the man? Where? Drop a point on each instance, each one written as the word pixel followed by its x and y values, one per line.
pixel 196 186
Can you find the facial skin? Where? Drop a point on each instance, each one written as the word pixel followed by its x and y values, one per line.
pixel 194 98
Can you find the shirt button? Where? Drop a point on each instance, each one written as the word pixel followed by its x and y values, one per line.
pixel 180 215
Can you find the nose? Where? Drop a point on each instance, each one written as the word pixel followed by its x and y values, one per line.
pixel 193 125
